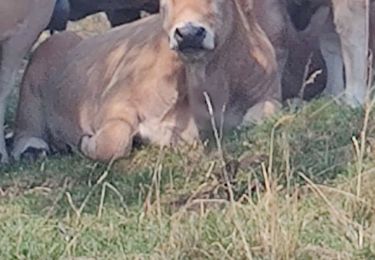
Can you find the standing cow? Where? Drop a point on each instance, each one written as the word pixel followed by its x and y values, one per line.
pixel 21 22
pixel 148 79
pixel 344 42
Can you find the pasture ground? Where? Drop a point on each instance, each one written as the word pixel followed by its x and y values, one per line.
pixel 299 186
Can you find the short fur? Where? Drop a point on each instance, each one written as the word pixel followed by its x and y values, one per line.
pixel 344 44
pixel 129 82
pixel 21 22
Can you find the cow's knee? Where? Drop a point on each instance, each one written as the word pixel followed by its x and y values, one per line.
pixel 112 141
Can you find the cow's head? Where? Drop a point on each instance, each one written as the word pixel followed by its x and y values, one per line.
pixel 197 27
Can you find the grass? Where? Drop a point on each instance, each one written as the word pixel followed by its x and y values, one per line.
pixel 294 181
pixel 301 186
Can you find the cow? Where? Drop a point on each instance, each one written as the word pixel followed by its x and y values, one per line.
pixel 220 69
pixel 344 43
pixel 157 78
pixel 21 22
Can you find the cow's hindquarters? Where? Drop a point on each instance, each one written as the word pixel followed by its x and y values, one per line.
pixel 31 126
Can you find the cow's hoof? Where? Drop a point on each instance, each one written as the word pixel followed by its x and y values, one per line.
pixel 32 154
pixel 354 102
pixel 30 148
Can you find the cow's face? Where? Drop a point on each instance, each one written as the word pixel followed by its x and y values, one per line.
pixel 196 27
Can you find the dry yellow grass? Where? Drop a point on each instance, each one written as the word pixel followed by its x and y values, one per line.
pixel 304 188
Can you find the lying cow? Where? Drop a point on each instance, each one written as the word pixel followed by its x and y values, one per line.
pixel 21 22
pixel 149 79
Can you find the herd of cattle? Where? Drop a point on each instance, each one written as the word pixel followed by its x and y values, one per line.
pixel 168 77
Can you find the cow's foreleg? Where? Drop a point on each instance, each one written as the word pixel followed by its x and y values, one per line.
pixel 13 51
pixel 351 20
pixel 331 52
pixel 112 141
pixel 9 65
pixel 5 86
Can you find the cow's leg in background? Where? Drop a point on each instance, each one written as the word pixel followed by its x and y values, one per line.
pixel 14 47
pixel 331 50
pixel 351 20
pixel 13 51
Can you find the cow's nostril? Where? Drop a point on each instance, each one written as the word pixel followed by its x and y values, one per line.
pixel 201 32
pixel 178 35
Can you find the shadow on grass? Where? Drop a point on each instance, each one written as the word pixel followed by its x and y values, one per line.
pixel 316 140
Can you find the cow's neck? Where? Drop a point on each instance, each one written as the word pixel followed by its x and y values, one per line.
pixel 251 48
pixel 212 76
pixel 219 75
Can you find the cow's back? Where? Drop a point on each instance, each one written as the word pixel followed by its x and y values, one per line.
pixel 96 73
pixel 47 56
pixel 90 63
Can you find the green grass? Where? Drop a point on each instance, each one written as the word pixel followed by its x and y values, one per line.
pixel 302 187
pixel 300 191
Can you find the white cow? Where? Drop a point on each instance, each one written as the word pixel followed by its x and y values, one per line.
pixel 343 41
pixel 345 44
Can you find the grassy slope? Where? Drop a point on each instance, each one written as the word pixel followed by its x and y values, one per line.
pixel 173 204
pixel 296 195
